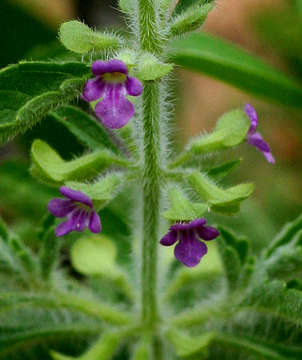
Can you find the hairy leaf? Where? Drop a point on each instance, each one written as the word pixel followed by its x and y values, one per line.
pixel 183 209
pixel 84 127
pixel 231 130
pixel 49 167
pixel 221 200
pixel 29 90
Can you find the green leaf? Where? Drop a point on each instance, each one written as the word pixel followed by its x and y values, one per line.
pixel 186 345
pixel 286 260
pixel 94 255
pixel 143 350
pixel 231 130
pixel 183 5
pixel 234 255
pixel 181 208
pixel 4 233
pixel 49 167
pixel 285 236
pixel 29 90
pixel 49 253
pixel 102 191
pixel 221 200
pixel 103 349
pixel 212 56
pixel 79 38
pixel 84 127
pixel 221 171
pixel 190 19
pixel 276 298
pixel 94 309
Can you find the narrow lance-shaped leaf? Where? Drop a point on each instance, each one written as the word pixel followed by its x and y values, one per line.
pixel 187 345
pixel 285 235
pixel 212 56
pixel 234 255
pixel 103 349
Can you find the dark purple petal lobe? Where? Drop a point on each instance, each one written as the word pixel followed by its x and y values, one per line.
pixel 252 114
pixel 64 228
pixel 190 250
pixel 76 195
pixel 134 86
pixel 95 225
pixel 169 239
pixel 208 233
pixel 257 141
pixel 115 110
pixel 60 207
pixel 93 89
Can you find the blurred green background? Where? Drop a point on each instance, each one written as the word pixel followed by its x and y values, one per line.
pixel 271 29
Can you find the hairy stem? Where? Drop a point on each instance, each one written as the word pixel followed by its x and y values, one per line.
pixel 150 40
pixel 151 203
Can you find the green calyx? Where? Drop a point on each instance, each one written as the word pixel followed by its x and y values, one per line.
pixel 230 131
pixel 50 168
pixel 225 201
pixel 100 192
pixel 150 68
pixel 79 38
pixel 181 208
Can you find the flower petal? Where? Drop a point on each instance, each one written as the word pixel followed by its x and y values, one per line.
pixel 60 207
pixel 257 141
pixel 80 220
pixel 134 86
pixel 76 195
pixel 187 226
pixel 190 250
pixel 93 89
pixel 64 228
pixel 100 67
pixel 207 233
pixel 115 110
pixel 252 114
pixel 95 225
pixel 169 239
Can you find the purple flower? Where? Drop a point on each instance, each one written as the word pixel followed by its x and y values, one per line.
pixel 78 208
pixel 254 138
pixel 190 249
pixel 112 83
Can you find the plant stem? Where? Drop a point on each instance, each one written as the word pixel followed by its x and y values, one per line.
pixel 150 40
pixel 151 200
